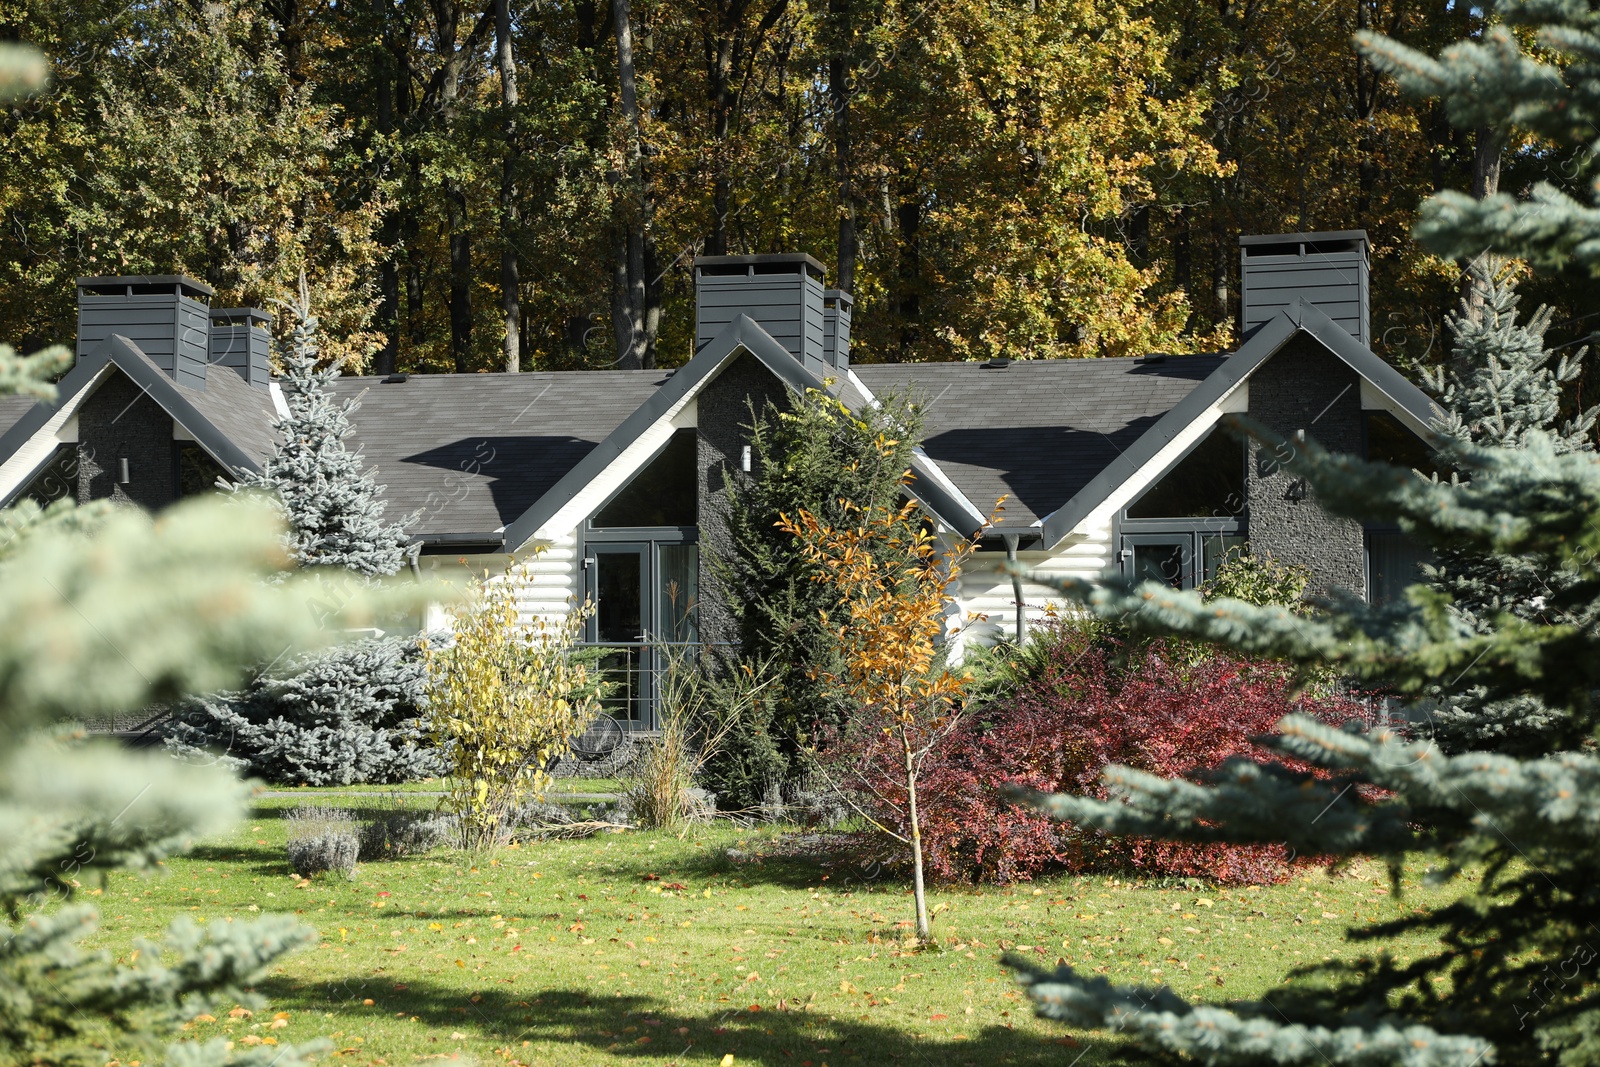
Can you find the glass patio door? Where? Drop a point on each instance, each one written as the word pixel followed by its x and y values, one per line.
pixel 618 580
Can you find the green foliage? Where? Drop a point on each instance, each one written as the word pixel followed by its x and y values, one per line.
pixel 1260 580
pixel 703 703
pixel 811 458
pixel 174 139
pixel 28 375
pixel 332 505
pixel 1501 386
pixel 1530 78
pixel 348 714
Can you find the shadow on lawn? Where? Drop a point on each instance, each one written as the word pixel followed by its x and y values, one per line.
pixel 615 1025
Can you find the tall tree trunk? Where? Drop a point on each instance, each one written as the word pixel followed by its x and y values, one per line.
pixel 720 90
pixel 453 60
pixel 919 890
pixel 908 302
pixel 634 318
pixel 1221 256
pixel 1485 182
pixel 510 283
pixel 839 90
pixel 387 358
pixel 460 276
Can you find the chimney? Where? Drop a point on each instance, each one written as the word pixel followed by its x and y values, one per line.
pixel 239 339
pixel 783 293
pixel 1327 270
pixel 836 307
pixel 167 316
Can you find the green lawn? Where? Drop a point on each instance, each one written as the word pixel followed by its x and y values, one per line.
pixel 641 948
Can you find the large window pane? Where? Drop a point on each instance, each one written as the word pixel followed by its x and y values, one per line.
pixel 1208 482
pixel 1390 442
pixel 680 590
pixel 664 493
pixel 1160 563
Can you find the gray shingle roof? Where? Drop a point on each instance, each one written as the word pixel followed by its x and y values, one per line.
pixel 1036 431
pixel 472 452
pixel 13 408
pixel 241 411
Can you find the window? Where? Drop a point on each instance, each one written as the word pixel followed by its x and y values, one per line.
pixel 1390 442
pixel 642 567
pixel 197 471
pixel 664 493
pixel 1180 529
pixel 1207 482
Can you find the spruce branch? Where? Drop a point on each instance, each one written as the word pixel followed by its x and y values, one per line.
pixel 1243 1032
pixel 29 375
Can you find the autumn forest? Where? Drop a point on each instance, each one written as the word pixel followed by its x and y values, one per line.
pixel 523 184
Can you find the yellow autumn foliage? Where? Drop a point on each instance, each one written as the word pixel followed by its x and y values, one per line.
pixel 505 699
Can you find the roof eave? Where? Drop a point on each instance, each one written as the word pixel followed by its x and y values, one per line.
pixel 1262 343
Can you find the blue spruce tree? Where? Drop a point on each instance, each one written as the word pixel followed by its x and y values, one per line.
pixel 104 611
pixel 333 506
pixel 1513 979
pixel 1500 386
pixel 352 713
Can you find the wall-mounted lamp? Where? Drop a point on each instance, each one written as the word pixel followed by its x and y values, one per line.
pixel 744 459
pixel 122 471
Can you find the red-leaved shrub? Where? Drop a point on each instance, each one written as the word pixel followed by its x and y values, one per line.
pixel 1088 700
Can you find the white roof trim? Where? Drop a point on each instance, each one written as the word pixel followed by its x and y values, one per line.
pixel 26 462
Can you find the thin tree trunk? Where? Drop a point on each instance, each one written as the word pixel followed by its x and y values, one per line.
pixel 387 357
pixel 720 90
pixel 460 276
pixel 908 217
pixel 839 94
pixel 1485 182
pixel 918 889
pixel 631 285
pixel 510 282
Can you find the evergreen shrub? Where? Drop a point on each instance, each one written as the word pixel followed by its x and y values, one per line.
pixel 810 457
pixel 345 715
pixel 1093 697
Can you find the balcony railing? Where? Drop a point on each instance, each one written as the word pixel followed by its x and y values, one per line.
pixel 634 671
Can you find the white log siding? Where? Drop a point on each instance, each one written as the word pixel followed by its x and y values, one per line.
pixel 555 579
pixel 985 587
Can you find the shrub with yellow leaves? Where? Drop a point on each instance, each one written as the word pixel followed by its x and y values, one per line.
pixel 505 700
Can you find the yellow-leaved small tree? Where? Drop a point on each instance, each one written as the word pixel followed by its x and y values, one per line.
pixel 893 583
pixel 505 700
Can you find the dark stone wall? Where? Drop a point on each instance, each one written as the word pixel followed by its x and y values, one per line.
pixel 1305 387
pixel 121 421
pixel 725 406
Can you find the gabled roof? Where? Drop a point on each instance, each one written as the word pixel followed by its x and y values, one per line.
pixel 1035 431
pixel 742 334
pixel 473 452
pixel 1263 343
pixel 230 419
